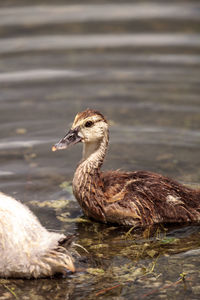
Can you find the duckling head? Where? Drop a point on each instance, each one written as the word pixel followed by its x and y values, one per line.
pixel 89 127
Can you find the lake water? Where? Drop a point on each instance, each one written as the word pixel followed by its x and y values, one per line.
pixel 138 63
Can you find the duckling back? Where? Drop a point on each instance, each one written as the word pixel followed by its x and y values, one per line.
pixel 27 249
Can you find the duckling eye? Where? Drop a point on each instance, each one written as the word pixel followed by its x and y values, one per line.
pixel 88 124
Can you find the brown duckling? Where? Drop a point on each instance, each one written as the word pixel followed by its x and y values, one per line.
pixel 27 249
pixel 138 198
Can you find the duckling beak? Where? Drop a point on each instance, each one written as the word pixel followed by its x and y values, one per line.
pixel 69 139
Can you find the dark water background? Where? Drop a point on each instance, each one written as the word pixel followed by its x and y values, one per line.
pixel 138 63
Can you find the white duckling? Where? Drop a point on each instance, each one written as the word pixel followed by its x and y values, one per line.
pixel 27 249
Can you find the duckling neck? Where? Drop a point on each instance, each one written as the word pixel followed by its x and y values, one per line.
pixel 87 182
pixel 94 153
pixel 89 149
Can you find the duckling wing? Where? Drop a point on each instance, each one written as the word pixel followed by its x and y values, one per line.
pixel 143 198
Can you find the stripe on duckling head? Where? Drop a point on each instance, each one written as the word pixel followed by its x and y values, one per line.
pixel 87 114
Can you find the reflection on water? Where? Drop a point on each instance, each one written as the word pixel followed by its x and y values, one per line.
pixel 138 63
pixel 44 14
pixel 90 41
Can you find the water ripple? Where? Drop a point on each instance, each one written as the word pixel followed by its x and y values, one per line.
pixel 8 144
pixel 155 135
pixel 40 75
pixel 104 74
pixel 84 13
pixel 88 41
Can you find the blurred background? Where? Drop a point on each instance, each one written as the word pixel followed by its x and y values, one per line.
pixel 137 62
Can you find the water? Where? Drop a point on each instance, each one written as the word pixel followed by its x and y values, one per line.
pixel 138 63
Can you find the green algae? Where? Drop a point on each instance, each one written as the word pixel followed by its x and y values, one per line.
pixel 66 186
pixel 95 271
pixel 55 204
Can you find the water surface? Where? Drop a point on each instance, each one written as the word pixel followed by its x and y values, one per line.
pixel 138 63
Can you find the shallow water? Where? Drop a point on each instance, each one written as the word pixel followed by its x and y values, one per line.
pixel 138 63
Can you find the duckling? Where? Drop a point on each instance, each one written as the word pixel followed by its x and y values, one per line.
pixel 27 249
pixel 138 198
